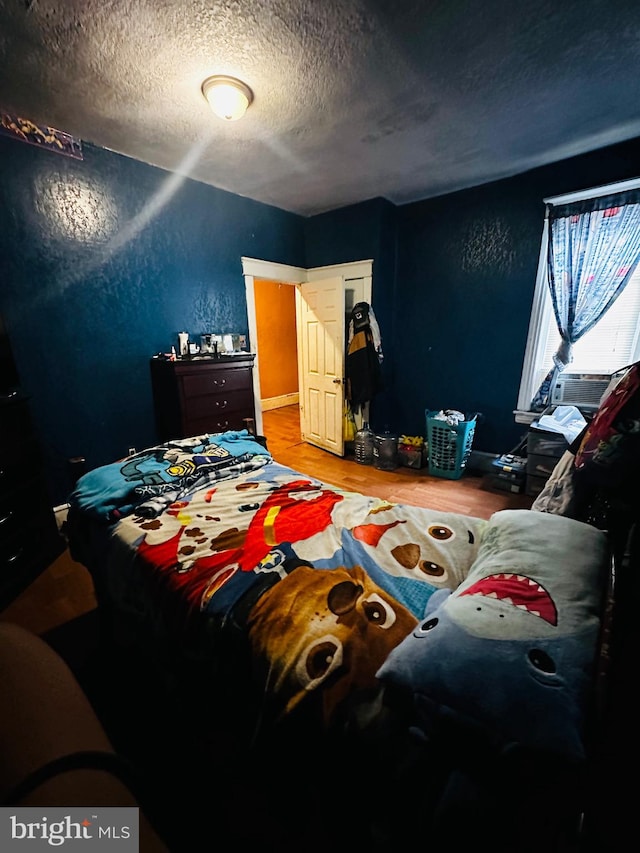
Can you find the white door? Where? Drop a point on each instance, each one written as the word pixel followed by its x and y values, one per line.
pixel 321 340
pixel 357 278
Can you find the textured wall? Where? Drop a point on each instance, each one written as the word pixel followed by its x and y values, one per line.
pixel 453 283
pixel 103 261
pixel 467 267
pixel 466 274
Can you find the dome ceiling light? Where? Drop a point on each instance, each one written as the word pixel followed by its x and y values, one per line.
pixel 227 96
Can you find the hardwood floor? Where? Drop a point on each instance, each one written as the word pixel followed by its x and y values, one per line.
pixel 471 495
pixel 65 590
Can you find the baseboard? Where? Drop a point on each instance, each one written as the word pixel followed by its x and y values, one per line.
pixel 279 402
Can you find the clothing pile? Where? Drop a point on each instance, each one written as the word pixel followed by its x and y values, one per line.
pixel 452 416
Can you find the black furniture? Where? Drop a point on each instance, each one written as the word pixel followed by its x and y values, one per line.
pixel 544 449
pixel 193 396
pixel 29 537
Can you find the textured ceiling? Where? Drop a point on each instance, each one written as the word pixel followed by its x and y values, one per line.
pixel 353 98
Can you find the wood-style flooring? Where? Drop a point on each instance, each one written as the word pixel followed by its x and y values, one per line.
pixel 65 590
pixel 470 495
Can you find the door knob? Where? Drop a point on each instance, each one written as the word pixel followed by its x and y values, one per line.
pixel 337 381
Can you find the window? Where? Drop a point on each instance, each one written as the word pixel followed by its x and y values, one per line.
pixel 613 343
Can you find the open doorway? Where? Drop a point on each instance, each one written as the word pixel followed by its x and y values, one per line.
pixel 357 281
pixel 276 340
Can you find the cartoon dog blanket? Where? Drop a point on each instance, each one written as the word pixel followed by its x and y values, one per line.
pixel 338 593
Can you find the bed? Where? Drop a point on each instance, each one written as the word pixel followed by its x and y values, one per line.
pixel 375 666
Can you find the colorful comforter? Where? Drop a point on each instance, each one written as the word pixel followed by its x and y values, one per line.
pixel 325 584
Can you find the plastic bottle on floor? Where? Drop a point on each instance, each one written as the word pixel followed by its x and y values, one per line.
pixel 363 445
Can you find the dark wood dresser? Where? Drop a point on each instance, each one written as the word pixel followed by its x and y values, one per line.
pixel 199 395
pixel 29 537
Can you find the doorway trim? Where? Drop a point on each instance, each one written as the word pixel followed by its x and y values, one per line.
pixel 253 268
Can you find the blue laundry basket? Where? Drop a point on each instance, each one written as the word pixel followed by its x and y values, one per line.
pixel 449 446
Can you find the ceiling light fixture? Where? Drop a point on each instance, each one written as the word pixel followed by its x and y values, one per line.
pixel 227 96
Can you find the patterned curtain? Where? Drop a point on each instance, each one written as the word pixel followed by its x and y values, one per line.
pixel 594 248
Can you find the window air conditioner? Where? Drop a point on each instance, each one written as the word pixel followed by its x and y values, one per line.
pixel 583 390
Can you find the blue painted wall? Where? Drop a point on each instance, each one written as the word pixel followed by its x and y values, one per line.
pixel 468 265
pixel 466 273
pixel 453 284
pixel 102 262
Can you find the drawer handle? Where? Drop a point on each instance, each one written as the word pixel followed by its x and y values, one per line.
pixel 6 517
pixel 16 556
pixel 223 426
pixel 220 382
pixel 222 404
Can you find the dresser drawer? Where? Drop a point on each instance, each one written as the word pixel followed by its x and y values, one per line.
pixel 15 422
pixel 215 423
pixel 20 506
pixel 29 537
pixel 26 538
pixel 19 547
pixel 209 382
pixel 26 552
pixel 217 405
pixel 18 472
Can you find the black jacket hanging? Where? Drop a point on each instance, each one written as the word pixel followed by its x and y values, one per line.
pixel 362 363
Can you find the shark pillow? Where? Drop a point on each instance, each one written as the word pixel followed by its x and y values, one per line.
pixel 512 652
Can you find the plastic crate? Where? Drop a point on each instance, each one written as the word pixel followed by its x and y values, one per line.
pixel 449 446
pixel 542 442
pixel 509 473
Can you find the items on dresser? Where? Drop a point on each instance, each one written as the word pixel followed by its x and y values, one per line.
pixel 544 449
pixel 195 396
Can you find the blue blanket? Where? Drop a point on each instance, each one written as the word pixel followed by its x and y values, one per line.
pixel 151 480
